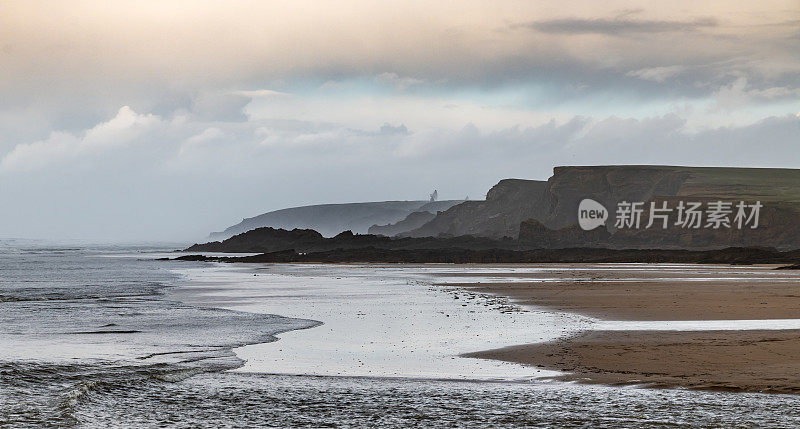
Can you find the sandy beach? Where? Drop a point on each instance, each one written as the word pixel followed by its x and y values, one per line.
pixel 663 325
pixel 756 361
pixel 641 292
pixel 746 360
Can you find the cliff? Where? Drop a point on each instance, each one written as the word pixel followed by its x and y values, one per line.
pixel 507 204
pixel 612 184
pixel 545 214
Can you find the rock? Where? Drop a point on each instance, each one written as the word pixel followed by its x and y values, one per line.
pixel 412 221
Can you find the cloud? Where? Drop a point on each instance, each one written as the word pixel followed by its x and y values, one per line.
pixel 389 130
pixel 739 94
pixel 619 26
pixel 419 45
pixel 120 130
pixel 206 137
pixel 259 93
pixel 221 106
pixel 657 74
pixel 400 83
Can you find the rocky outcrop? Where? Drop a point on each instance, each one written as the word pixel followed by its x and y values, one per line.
pixel 789 267
pixel 535 235
pixel 261 240
pixel 458 255
pixel 411 222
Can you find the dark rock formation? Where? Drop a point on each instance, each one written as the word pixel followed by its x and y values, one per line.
pixel 412 221
pixel 741 256
pixel 776 229
pixel 535 235
pixel 275 245
pixel 264 240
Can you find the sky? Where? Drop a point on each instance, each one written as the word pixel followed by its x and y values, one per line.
pixel 165 120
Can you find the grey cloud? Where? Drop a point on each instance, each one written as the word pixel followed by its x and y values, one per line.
pixel 389 130
pixel 220 106
pixel 618 26
pixel 386 130
pixel 676 64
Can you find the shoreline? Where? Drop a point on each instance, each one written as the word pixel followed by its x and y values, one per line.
pixel 652 292
pixel 708 359
pixel 745 361
pixel 753 360
pixel 374 323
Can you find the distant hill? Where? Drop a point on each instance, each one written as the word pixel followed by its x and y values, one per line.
pixel 331 219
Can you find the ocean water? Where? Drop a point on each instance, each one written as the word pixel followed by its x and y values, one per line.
pixel 106 336
pixel 76 318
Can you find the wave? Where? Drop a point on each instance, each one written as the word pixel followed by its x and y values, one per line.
pixel 52 394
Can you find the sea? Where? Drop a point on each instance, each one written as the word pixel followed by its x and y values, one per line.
pixel 97 335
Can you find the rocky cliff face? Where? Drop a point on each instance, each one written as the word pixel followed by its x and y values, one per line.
pixel 507 204
pixel 610 185
pixel 546 213
pixel 411 222
pixel 607 185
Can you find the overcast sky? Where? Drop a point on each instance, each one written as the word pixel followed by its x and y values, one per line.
pixel 165 120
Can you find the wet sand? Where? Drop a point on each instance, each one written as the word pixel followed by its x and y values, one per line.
pixel 755 361
pixel 746 360
pixel 642 293
pixel 377 321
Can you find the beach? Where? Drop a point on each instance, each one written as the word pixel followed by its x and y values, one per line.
pixel 376 321
pixel 702 327
pixel 650 291
pixel 659 325
pixel 750 360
